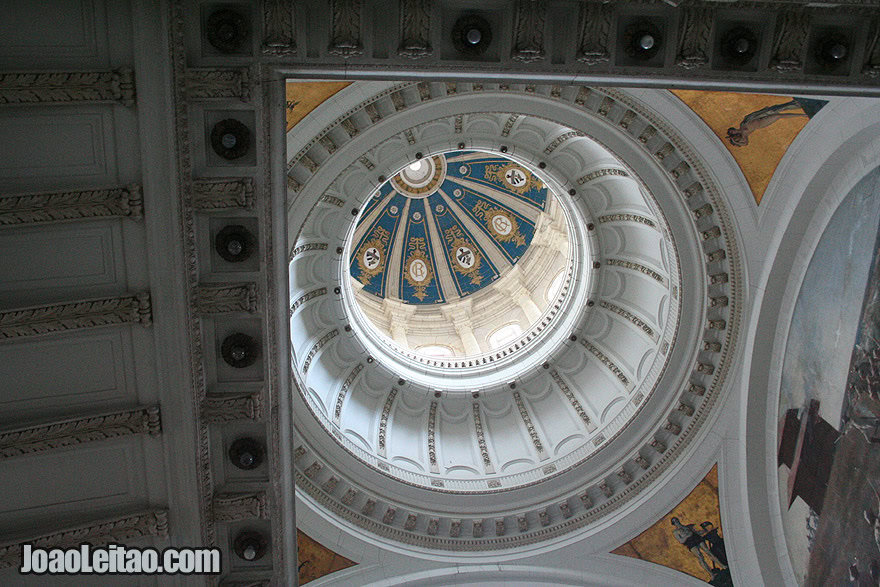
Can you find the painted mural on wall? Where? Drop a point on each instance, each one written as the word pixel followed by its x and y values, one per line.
pixel 756 128
pixel 829 411
pixel 303 97
pixel 689 538
pixel 316 560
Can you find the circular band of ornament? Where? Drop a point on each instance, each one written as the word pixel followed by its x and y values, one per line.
pixel 677 427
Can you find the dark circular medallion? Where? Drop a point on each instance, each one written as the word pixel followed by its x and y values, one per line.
pixel 230 139
pixel 246 453
pixel 471 35
pixel 250 546
pixel 239 350
pixel 739 45
pixel 235 243
pixel 226 30
pixel 642 40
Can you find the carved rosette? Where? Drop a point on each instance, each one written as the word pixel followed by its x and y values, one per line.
pixel 39 208
pixel 64 87
pixel 232 507
pixel 224 298
pixel 39 320
pixel 114 530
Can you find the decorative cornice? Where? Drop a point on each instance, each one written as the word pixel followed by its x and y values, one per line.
pixel 307 297
pixel 122 529
pixel 527 420
pixel 218 84
pixel 37 208
pixel 602 173
pixel 636 267
pixel 233 507
pixel 481 439
pixel 578 408
pixel 627 218
pixel 223 192
pixel 218 409
pixel 223 298
pixel 432 445
pixel 64 87
pixel 278 28
pixel 627 315
pixel 73 431
pixel 39 320
pixel 603 358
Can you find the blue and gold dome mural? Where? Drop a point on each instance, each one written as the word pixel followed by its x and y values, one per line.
pixel 445 227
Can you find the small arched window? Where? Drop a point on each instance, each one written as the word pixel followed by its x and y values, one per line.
pixel 504 335
pixel 435 350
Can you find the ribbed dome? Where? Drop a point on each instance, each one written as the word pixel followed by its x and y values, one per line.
pixel 445 227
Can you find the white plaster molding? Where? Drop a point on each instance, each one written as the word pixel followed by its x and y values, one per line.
pixel 38 320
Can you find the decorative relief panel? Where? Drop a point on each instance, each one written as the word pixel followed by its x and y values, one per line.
pixel 45 437
pixel 38 320
pixel 415 29
pixel 345 35
pixel 232 507
pixel 64 87
pixel 595 27
pixel 224 298
pixel 278 27
pixel 217 409
pixel 789 41
pixel 528 30
pixel 695 27
pixel 224 192
pixel 39 208
pixel 218 84
pixel 122 530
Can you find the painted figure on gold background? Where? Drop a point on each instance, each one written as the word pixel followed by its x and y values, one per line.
pixel 695 541
pixel 739 137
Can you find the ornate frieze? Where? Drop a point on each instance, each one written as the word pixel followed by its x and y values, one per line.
pixel 343 392
pixel 522 523
pixel 561 139
pixel 39 320
pixel 65 87
pixel 578 408
pixel 122 529
pixel 790 41
pixel 511 120
pixel 481 439
pixel 224 298
pixel 415 29
pixel 383 421
pixel 627 218
pixel 388 517
pixel 528 30
pixel 478 529
pixel 217 408
pixel 594 30
pixel 345 28
pixel 278 27
pixel 455 528
pixel 658 446
pixel 605 488
pixel 38 208
pixel 433 526
pixel 432 447
pixel 410 523
pixel 586 500
pixel 695 27
pixel 636 267
pixel 218 84
pixel 642 462
pixel 317 347
pixel 605 106
pixel 221 193
pixel 233 507
pixel 44 437
pixel 527 420
pixel 299 249
pixel 627 315
pixel 609 364
pixel 602 173
pixel 306 297
pixel 717 255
